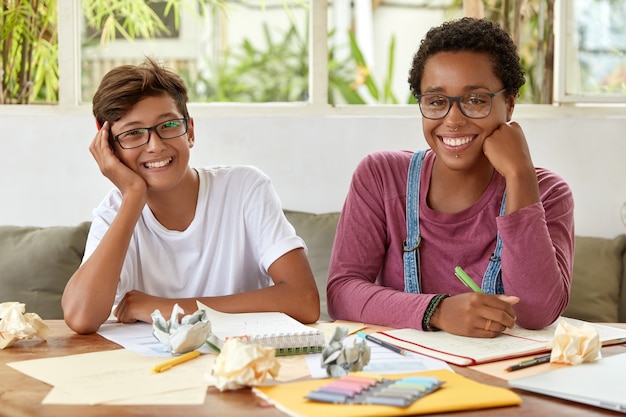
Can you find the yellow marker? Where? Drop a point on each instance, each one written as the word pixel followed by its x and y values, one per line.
pixel 162 367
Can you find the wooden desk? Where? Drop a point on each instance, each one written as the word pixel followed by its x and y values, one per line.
pixel 21 395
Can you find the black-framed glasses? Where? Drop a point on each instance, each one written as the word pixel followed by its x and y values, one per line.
pixel 140 136
pixel 473 105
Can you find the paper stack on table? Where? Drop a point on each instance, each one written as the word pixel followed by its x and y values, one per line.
pixel 118 377
pixel 124 376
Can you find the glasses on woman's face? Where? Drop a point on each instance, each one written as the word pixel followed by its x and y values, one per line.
pixel 473 105
pixel 140 136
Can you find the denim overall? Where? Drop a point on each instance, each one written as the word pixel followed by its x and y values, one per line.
pixel 492 280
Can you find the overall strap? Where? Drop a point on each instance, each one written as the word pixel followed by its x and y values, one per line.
pixel 413 239
pixel 492 280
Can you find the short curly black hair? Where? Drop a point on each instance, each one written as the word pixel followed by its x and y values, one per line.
pixel 475 35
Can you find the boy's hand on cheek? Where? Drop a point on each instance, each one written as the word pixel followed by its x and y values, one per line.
pixel 124 178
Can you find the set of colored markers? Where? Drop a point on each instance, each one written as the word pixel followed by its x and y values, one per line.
pixel 364 389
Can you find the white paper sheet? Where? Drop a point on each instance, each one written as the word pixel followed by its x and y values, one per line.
pixel 137 337
pixel 382 361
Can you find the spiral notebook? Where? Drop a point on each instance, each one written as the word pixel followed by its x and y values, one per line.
pixel 279 330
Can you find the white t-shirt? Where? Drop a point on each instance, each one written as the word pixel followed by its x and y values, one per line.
pixel 238 231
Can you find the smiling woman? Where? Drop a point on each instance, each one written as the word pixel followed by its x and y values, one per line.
pixel 474 199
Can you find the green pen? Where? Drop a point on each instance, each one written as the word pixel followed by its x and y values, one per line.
pixel 465 279
pixel 212 346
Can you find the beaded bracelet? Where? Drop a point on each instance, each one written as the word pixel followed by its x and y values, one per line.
pixel 430 310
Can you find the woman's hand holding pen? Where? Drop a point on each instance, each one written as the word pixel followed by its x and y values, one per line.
pixel 124 178
pixel 475 314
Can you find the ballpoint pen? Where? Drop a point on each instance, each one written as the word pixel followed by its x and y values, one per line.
pixel 530 362
pixel 465 279
pixel 379 342
pixel 162 367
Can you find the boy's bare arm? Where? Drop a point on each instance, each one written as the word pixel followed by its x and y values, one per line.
pixel 90 292
pixel 294 293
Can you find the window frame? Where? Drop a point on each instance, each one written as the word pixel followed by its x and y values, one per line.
pixel 564 10
pixel 317 105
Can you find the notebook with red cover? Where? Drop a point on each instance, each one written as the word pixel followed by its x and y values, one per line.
pixel 465 351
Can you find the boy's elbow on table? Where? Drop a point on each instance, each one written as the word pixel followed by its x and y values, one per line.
pixel 81 326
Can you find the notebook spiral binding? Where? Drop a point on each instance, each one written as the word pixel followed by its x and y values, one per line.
pixel 291 343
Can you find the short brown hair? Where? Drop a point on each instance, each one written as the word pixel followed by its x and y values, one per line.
pixel 126 85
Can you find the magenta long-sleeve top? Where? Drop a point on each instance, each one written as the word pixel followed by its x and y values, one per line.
pixel 366 275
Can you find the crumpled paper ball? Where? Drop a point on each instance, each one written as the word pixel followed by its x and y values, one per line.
pixel 243 365
pixel 340 360
pixel 191 333
pixel 15 324
pixel 575 345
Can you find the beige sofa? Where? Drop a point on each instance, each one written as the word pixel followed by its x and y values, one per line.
pixel 36 262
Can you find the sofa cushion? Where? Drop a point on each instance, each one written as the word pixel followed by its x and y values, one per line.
pixel 37 262
pixel 318 231
pixel 597 279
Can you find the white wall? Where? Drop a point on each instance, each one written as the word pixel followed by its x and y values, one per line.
pixel 47 176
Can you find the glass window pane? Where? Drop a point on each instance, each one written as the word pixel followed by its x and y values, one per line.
pixel 29 53
pixel 596 60
pixel 372 44
pixel 246 52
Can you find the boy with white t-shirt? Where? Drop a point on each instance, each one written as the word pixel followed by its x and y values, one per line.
pixel 169 233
